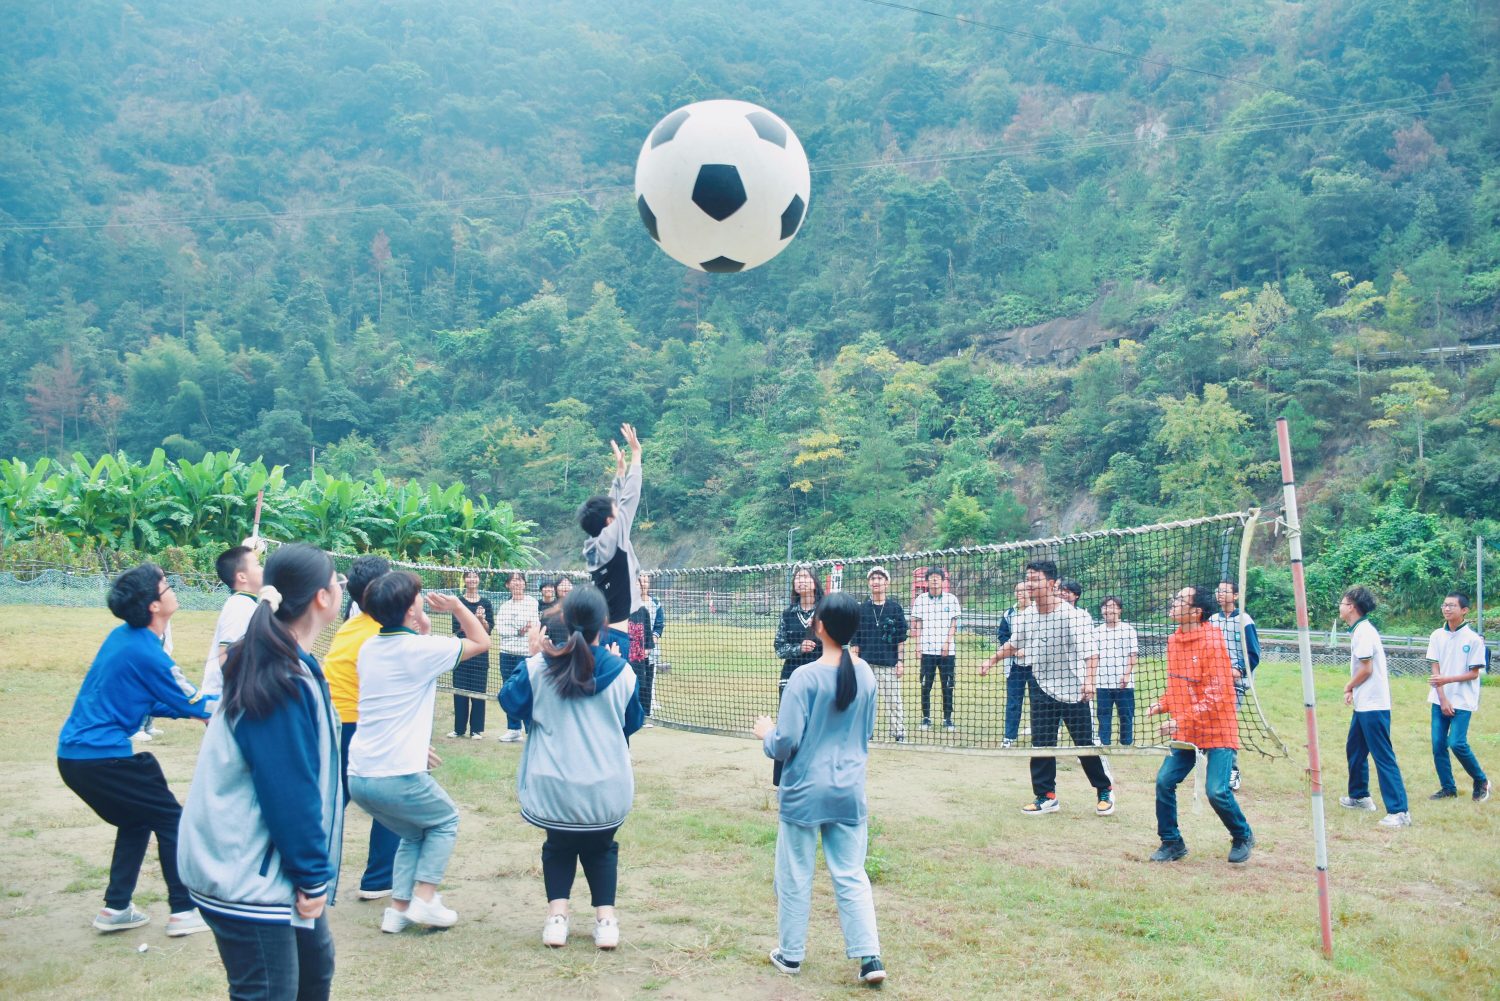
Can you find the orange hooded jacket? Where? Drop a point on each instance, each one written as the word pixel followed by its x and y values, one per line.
pixel 1200 688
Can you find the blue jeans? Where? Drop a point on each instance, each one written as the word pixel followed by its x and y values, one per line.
pixel 1122 699
pixel 381 859
pixel 1370 737
pixel 417 809
pixel 1176 768
pixel 266 962
pixel 1015 698
pixel 509 664
pixel 844 850
pixel 1451 733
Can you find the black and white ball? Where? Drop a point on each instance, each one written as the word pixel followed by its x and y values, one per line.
pixel 722 185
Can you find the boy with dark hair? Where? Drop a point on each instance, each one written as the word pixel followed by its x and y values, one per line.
pixel 1057 640
pixel 132 676
pixel 1369 692
pixel 239 568
pixel 608 554
pixel 879 641
pixel 934 616
pixel 1243 643
pixel 1200 700
pixel 1456 653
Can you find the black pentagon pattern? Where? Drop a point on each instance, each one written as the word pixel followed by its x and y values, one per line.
pixel 649 218
pixel 767 127
pixel 719 190
pixel 667 128
pixel 790 219
pixel 722 266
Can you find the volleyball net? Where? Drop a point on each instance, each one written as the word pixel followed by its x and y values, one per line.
pixel 726 632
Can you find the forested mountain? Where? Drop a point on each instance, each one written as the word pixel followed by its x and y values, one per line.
pixel 404 234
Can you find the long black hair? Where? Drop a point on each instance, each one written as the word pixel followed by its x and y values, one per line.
pixel 793 598
pixel 571 667
pixel 839 614
pixel 261 669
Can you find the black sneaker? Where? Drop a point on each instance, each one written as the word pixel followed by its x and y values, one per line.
pixel 1170 851
pixel 792 967
pixel 1445 794
pixel 1481 791
pixel 871 971
pixel 1239 850
pixel 926 723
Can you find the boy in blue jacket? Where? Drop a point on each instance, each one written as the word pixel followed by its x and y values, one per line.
pixel 132 677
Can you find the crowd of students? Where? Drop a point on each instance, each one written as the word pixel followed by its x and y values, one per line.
pixel 255 855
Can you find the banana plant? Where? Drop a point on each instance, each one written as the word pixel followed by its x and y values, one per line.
pixel 23 497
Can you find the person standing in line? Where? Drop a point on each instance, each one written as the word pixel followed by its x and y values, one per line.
pixel 1200 700
pixel 1369 692
pixel 240 570
pixel 575 780
pixel 934 616
pixel 1070 591
pixel 341 668
pixel 794 639
pixel 472 675
pixel 822 733
pixel 391 756
pixel 658 626
pixel 131 675
pixel 1456 653
pixel 880 642
pixel 1017 675
pixel 1118 648
pixel 551 614
pixel 514 621
pixel 1057 641
pixel 263 830
pixel 642 645
pixel 1243 642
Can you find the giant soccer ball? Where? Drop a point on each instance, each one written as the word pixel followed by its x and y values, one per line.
pixel 722 185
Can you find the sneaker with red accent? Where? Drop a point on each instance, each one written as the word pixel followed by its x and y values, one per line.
pixel 1041 805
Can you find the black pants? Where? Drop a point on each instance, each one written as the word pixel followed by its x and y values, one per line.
pixel 472 675
pixel 274 962
pixel 1046 714
pixel 131 795
pixel 645 679
pixel 933 664
pixel 597 851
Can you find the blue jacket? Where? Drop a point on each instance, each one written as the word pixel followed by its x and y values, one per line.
pixel 131 678
pixel 825 750
pixel 265 815
pixel 575 769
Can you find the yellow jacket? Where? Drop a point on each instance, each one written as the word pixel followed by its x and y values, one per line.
pixel 340 665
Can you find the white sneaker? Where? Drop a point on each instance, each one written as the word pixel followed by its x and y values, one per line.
pixel 141 735
pixel 1007 742
pixel 1402 819
pixel 512 736
pixel 555 931
pixel 393 922
pixel 155 731
pixel 130 916
pixel 430 912
pixel 606 933
pixel 1362 803
pixel 647 725
pixel 476 736
pixel 452 734
pixel 183 923
pixel 374 894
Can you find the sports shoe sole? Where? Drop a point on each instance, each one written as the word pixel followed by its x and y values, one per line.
pixel 873 977
pixel 1106 812
pixel 373 894
pixel 121 926
pixel 790 971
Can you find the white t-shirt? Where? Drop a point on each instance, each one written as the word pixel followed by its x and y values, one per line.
pixel 936 616
pixel 515 614
pixel 234 619
pixel 398 674
pixel 1364 644
pixel 1057 646
pixel 1457 651
pixel 1115 647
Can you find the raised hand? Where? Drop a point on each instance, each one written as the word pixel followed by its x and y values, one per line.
pixel 619 458
pixel 628 430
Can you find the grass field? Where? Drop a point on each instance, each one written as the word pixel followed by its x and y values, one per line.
pixel 974 899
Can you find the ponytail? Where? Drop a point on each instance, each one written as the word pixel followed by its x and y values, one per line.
pixel 260 671
pixel 848 687
pixel 570 667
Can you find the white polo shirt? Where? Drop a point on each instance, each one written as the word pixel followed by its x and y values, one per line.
pixel 1365 644
pixel 936 616
pixel 234 619
pixel 1457 651
pixel 398 672
pixel 1115 647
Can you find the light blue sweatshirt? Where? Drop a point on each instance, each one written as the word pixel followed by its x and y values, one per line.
pixel 825 750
